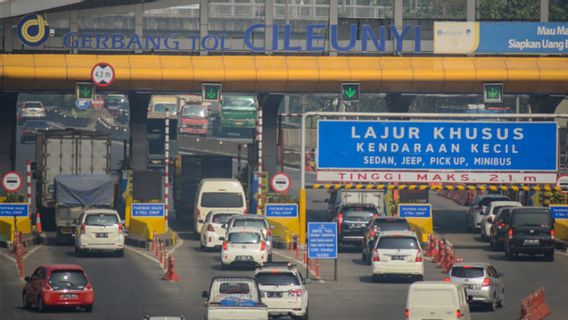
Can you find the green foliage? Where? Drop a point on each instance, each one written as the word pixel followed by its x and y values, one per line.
pixel 558 10
pixel 509 10
pixel 428 9
pixel 280 198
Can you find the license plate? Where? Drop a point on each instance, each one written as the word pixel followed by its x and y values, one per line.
pixel 102 235
pixel 472 286
pixel 244 258
pixel 397 258
pixel 68 296
pixel 531 242
pixel 274 294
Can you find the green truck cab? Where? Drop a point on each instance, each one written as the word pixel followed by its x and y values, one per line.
pixel 238 115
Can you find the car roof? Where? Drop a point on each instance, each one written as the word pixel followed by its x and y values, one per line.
pixel 244 229
pixel 370 205
pixel 225 211
pixel 390 219
pixel 277 266
pixel 404 233
pixel 433 284
pixel 248 217
pixel 530 209
pixel 492 195
pixel 94 210
pixel 55 267
pixel 504 203
pixel 472 264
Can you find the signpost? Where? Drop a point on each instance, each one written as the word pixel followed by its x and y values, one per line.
pixel 211 92
pixel 562 182
pixel 280 182
pixel 148 210
pixel 12 181
pixel 14 210
pixel 281 210
pixel 102 74
pixel 493 92
pixel 559 212
pixel 85 91
pixel 322 242
pixel 419 216
pixel 350 91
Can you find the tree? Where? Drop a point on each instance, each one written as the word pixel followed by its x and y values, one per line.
pixel 509 10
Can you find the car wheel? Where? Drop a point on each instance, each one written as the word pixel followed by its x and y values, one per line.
pixel 40 306
pixel 270 258
pixel 500 303
pixel 89 308
pixel 120 253
pixel 25 302
pixel 418 278
pixel 550 256
pixel 376 278
pixel 493 304
pixel 78 252
pixel 492 244
pixel 508 253
pixel 224 266
pixel 364 257
pixel 306 315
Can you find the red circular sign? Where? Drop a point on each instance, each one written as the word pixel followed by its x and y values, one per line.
pixel 12 181
pixel 562 182
pixel 102 74
pixel 280 182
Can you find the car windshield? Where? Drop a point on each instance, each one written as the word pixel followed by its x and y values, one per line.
pixel 244 237
pixel 163 107
pixel 467 272
pixel 239 102
pixel 32 105
pixel 101 220
pixel 358 213
pixel 487 200
pixel 222 218
pixel 277 279
pixel 193 111
pixel 253 223
pixel 67 280
pixel 531 219
pixel 397 243
pixel 396 225
pixel 221 200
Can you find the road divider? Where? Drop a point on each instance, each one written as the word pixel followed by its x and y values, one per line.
pixel 534 306
pixel 442 252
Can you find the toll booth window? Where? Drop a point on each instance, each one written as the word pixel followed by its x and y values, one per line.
pixel 221 200
pixel 101 220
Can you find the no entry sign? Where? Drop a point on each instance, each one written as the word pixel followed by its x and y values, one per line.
pixel 12 181
pixel 280 182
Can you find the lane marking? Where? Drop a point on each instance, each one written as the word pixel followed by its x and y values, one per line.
pixel 150 257
pixel 34 249
pixel 7 256
pixel 300 263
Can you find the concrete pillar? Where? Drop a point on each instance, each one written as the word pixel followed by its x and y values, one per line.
pixel 471 10
pixel 544 10
pixel 269 21
pixel 270 104
pixel 398 103
pixel 8 102
pixel 544 103
pixel 138 134
pixel 333 20
pixel 203 23
pixel 139 23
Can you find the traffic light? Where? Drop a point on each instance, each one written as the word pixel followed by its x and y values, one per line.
pixel 211 91
pixel 493 92
pixel 350 91
pixel 85 90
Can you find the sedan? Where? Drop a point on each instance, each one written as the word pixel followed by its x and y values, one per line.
pixel 58 285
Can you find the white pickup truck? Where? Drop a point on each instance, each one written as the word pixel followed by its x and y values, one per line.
pixel 234 298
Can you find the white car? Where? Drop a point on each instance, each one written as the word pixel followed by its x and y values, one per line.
pixel 245 246
pixel 397 253
pixel 282 289
pixel 490 214
pixel 214 229
pixel 254 221
pixel 99 230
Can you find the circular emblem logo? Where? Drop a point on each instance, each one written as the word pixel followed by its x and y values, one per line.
pixel 33 30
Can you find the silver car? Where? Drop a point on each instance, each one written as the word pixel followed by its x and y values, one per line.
pixel 255 221
pixel 482 282
pixel 474 215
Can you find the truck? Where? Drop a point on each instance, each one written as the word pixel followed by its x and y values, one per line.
pixel 192 169
pixel 339 198
pixel 64 152
pixel 74 194
pixel 237 116
pixel 234 298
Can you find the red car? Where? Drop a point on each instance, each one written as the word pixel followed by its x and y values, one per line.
pixel 58 285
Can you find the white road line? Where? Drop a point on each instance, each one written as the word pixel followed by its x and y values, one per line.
pixel 7 256
pixel 34 249
pixel 150 257
pixel 300 263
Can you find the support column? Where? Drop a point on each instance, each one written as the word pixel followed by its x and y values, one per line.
pixel 74 24
pixel 203 23
pixel 333 20
pixel 269 21
pixel 270 105
pixel 139 23
pixel 471 10
pixel 544 103
pixel 397 15
pixel 138 132
pixel 398 103
pixel 544 10
pixel 8 102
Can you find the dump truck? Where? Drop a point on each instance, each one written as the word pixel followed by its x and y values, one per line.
pixel 76 193
pixel 64 152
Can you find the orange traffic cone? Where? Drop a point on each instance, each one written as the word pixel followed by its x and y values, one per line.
pixel 171 274
pixel 39 229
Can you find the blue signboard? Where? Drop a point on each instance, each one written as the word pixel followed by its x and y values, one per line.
pixel 437 145
pixel 415 210
pixel 322 240
pixel 281 210
pixel 559 211
pixel 148 210
pixel 523 37
pixel 14 209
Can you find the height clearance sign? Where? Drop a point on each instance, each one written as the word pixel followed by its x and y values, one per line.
pixel 437 151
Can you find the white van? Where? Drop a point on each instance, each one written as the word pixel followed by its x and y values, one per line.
pixel 437 300
pixel 215 194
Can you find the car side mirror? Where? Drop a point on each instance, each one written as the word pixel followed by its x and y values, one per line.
pixel 221 238
pixel 224 226
pixel 307 281
pixel 27 279
pixel 469 299
pixel 205 294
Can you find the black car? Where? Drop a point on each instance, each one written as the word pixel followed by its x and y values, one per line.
pixel 499 228
pixel 351 221
pixel 375 227
pixel 531 231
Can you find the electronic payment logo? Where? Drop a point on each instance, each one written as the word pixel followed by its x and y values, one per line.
pixel 33 30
